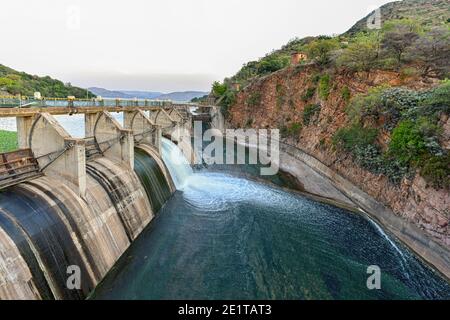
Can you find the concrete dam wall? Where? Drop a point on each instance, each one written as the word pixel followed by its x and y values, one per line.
pixel 84 211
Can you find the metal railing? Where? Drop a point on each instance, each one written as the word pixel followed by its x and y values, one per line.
pixel 24 102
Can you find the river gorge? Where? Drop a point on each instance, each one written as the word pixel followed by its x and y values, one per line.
pixel 222 236
pixel 169 231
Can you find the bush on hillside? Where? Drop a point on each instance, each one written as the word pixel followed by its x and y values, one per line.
pixel 309 93
pixel 321 49
pixel 324 86
pixel 254 99
pixel 435 170
pixel 271 64
pixel 310 113
pixel 354 136
pixel 362 53
pixel 407 143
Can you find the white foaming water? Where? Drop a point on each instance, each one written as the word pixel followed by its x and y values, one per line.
pixel 176 162
pixel 403 260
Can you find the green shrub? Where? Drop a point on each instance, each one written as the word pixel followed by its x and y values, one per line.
pixel 346 94
pixel 362 104
pixel 408 72
pixel 310 112
pixel 321 48
pixel 436 170
pixel 369 157
pixel 360 142
pixel 394 169
pixel 324 86
pixel 227 100
pixel 354 136
pixel 362 53
pixel 407 143
pixel 254 99
pixel 218 89
pixel 315 78
pixel 437 101
pixel 309 93
pixel 295 128
pixel 4 82
pixel 393 104
pixel 271 64
pixel 280 95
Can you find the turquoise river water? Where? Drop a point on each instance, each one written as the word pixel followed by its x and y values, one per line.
pixel 225 237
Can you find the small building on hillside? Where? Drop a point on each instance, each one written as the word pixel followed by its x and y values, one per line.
pixel 298 57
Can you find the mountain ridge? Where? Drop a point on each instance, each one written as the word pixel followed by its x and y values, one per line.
pixel 13 82
pixel 181 96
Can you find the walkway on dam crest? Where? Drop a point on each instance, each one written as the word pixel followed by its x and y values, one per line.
pixel 46 147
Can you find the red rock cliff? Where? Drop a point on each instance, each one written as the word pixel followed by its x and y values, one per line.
pixel 276 100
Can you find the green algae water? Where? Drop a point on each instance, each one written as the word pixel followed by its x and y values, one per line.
pixel 224 237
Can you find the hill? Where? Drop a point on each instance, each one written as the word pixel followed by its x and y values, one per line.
pixel 15 82
pixel 372 105
pixel 143 94
pixel 129 94
pixel 182 96
pixel 105 93
pixel 426 12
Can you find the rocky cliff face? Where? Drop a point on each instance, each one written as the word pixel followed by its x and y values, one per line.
pixel 279 100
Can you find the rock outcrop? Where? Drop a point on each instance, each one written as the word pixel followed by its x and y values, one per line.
pixel 281 101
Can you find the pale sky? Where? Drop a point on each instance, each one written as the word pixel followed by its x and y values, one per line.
pixel 159 45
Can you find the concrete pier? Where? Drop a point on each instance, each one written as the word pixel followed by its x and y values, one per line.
pixel 95 205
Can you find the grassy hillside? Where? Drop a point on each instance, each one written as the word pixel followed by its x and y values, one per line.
pixel 8 141
pixel 14 82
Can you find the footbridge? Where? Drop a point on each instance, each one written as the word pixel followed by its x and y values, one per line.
pixel 46 148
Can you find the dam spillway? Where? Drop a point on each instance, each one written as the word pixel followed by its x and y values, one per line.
pixel 83 212
pixel 50 228
pixel 157 185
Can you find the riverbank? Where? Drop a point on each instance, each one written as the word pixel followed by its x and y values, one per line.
pixel 321 183
pixel 294 161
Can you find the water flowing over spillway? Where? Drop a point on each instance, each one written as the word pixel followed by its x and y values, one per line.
pixel 45 242
pixel 152 178
pixel 224 237
pixel 176 162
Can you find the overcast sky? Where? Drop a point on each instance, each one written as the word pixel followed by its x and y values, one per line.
pixel 159 45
